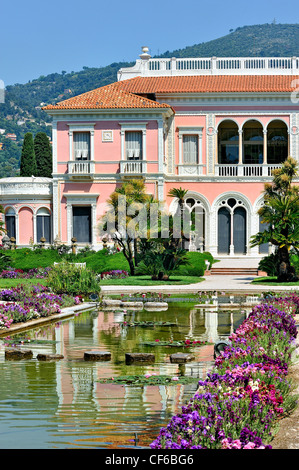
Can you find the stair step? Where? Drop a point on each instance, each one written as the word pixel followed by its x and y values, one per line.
pixel 240 270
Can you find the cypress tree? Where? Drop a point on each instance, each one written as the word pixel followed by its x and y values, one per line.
pixel 28 161
pixel 43 155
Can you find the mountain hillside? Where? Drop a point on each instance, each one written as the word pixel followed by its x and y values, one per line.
pixel 265 40
pixel 22 112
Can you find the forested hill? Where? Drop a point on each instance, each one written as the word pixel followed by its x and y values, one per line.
pixel 22 112
pixel 265 40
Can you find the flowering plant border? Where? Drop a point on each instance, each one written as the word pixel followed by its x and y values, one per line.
pixel 240 403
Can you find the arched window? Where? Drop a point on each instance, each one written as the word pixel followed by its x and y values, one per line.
pixel 277 142
pixel 197 214
pixel 228 143
pixel 253 143
pixel 10 223
pixel 43 225
pixel 232 227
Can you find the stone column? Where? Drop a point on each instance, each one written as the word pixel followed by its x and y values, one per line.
pixel 232 247
pixel 240 146
pixel 265 147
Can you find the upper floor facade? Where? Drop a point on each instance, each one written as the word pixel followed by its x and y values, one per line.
pixel 198 120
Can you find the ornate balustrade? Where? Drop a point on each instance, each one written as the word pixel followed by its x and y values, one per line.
pixel 81 169
pixel 211 66
pixel 245 170
pixel 133 167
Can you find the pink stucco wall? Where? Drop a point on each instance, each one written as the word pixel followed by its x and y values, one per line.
pixel 106 154
pixel 25 225
pixel 103 189
pixel 212 190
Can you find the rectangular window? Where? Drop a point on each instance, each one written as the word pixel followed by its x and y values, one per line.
pixel 133 145
pixel 190 149
pixel 43 228
pixel 81 144
pixel 82 224
pixel 10 223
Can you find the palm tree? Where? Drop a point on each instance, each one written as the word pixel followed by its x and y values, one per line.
pixel 179 194
pixel 281 212
pixel 135 198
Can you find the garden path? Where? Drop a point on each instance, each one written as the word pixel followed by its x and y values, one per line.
pixel 229 283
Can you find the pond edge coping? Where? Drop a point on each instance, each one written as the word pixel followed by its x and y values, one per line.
pixel 65 313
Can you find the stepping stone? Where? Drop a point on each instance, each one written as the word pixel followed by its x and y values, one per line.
pixel 97 356
pixel 18 354
pixel 181 358
pixel 139 357
pixel 49 357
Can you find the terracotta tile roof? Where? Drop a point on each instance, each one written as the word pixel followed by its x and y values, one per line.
pixel 211 84
pixel 124 94
pixel 107 97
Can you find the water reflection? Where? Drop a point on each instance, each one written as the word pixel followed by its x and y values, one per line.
pixel 61 404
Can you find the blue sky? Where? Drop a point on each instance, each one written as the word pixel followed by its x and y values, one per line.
pixel 38 38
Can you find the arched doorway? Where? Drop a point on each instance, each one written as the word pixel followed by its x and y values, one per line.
pixel 232 227
pixel 277 142
pixel 253 143
pixel 228 143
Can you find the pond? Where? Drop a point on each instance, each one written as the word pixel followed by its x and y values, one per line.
pixel 62 404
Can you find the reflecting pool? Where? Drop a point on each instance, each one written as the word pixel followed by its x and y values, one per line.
pixel 62 405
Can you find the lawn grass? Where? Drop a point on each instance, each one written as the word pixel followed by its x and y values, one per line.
pixel 147 281
pixel 7 283
pixel 128 281
pixel 272 281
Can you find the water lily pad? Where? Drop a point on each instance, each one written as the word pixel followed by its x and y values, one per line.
pixel 149 323
pixel 176 344
pixel 149 380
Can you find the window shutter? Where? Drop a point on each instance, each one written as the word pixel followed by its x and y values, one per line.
pixel 190 149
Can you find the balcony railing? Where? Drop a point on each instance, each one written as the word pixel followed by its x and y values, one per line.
pixel 245 170
pixel 133 167
pixel 83 169
pixel 211 66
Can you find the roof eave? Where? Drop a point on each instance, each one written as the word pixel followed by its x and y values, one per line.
pixel 58 111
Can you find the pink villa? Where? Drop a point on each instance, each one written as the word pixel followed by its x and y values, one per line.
pixel 214 126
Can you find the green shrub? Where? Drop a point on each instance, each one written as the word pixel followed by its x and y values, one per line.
pixel 25 258
pixel 197 265
pixel 294 259
pixel 269 264
pixel 66 278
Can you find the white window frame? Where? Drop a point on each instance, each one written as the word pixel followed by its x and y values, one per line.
pixel 190 131
pixel 133 126
pixel 81 128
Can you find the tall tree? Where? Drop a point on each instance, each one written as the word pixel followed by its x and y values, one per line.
pixel 28 161
pixel 281 212
pixel 126 203
pixel 43 155
pixel 179 194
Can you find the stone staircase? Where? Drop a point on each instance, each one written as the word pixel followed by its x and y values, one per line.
pixel 243 266
pixel 234 271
